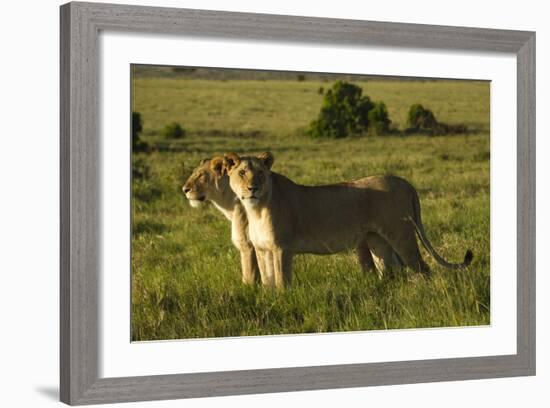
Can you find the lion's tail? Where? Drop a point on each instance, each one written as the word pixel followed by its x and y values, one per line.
pixel 417 222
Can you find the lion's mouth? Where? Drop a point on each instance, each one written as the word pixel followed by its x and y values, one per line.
pixel 197 202
pixel 201 198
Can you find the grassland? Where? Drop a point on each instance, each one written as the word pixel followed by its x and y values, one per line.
pixel 185 271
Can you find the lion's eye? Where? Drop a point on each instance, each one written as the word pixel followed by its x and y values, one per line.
pixel 241 173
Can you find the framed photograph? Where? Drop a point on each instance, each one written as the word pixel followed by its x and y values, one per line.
pixel 261 203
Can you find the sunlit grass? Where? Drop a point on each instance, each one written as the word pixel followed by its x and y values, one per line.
pixel 185 271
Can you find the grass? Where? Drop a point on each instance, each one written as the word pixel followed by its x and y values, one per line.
pixel 185 271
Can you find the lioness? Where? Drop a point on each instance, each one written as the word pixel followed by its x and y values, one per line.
pixel 208 182
pixel 286 218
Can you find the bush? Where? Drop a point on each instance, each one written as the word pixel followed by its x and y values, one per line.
pixel 344 112
pixel 137 127
pixel 379 120
pixel 173 131
pixel 421 119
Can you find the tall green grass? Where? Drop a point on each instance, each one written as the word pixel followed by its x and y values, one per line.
pixel 186 273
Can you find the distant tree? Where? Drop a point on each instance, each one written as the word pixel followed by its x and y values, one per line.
pixel 421 119
pixel 344 112
pixel 173 131
pixel 379 120
pixel 137 127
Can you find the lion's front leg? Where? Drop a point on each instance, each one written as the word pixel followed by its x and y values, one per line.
pixel 249 265
pixel 265 264
pixel 282 267
pixel 239 236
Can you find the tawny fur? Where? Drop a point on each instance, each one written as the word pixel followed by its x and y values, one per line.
pixel 378 214
pixel 208 182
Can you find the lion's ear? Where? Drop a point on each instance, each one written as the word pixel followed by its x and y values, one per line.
pixel 204 161
pixel 230 161
pixel 217 166
pixel 267 159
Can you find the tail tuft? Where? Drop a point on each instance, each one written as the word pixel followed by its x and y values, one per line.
pixel 468 257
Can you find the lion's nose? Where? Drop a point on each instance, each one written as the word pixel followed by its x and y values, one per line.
pixel 186 189
pixel 252 189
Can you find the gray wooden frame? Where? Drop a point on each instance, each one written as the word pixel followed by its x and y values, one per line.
pixel 80 234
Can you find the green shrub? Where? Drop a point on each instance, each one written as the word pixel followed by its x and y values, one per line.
pixel 421 119
pixel 344 112
pixel 379 120
pixel 137 127
pixel 173 131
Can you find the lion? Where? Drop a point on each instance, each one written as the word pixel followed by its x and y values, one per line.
pixel 377 214
pixel 208 182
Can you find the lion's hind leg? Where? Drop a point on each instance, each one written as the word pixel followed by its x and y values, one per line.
pixel 385 258
pixel 365 257
pixel 403 241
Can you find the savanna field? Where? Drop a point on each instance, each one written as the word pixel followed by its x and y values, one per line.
pixel 186 279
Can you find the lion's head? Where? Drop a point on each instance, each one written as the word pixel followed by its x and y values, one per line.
pixel 204 182
pixel 249 177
